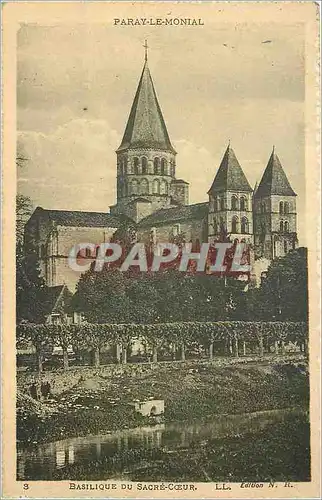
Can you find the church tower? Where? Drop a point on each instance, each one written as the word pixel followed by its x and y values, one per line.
pixel 274 212
pixel 146 165
pixel 230 202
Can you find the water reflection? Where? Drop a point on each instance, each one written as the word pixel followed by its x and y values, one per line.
pixel 40 462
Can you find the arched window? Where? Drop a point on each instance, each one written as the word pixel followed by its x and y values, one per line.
pixel 156 186
pixel 43 251
pixel 234 225
pixel 215 226
pixel 243 204
pixel 281 207
pixel 153 235
pixel 164 166
pixel 285 246
pixel 244 225
pixel 176 230
pixel 163 187
pixel 172 168
pixel 281 226
pixel 286 208
pixel 144 165
pixel 156 165
pixel 134 187
pixel 121 167
pixel 144 186
pixel 125 189
pixel 136 165
pixel 222 224
pixel 234 203
pixel 222 204
pixel 286 227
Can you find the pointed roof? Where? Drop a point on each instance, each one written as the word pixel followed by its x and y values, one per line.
pixel 230 176
pixel 146 127
pixel 274 180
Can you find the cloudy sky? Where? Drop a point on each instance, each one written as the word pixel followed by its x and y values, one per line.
pixel 76 84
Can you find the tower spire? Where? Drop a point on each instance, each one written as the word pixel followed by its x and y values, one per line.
pixel 145 50
pixel 145 126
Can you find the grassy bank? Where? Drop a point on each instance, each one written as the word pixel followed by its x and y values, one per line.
pixel 191 391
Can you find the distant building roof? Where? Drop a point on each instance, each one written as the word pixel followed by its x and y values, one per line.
pixel 274 180
pixel 230 176
pixel 146 126
pixel 173 214
pixel 78 218
pixel 56 298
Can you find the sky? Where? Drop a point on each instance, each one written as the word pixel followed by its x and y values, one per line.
pixel 215 83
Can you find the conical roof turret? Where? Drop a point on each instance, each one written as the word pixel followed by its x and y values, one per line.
pixel 274 180
pixel 146 126
pixel 230 175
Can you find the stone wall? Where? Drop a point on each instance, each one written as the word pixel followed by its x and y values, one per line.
pixel 191 229
pixel 61 381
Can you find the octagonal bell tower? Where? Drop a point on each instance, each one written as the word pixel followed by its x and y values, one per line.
pixel 146 158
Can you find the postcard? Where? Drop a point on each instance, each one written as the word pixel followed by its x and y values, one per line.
pixel 161 250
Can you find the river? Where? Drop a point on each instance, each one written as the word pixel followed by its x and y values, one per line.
pixel 122 452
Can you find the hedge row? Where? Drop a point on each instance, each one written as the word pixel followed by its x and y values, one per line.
pixel 93 337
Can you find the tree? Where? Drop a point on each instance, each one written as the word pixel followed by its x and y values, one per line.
pixel 38 336
pixel 283 294
pixel 23 211
pixel 30 286
pixel 101 296
pixel 95 337
pixel 144 298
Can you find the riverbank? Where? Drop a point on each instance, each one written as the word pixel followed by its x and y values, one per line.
pixel 98 400
pixel 279 452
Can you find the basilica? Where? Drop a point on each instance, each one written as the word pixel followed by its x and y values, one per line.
pixel 151 194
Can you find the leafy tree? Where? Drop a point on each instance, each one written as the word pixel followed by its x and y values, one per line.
pixel 283 294
pixel 24 209
pixel 36 336
pixel 144 298
pixel 101 296
pixel 30 286
pixel 125 235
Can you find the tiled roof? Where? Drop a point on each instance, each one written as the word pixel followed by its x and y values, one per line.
pixel 146 127
pixel 78 218
pixel 274 180
pixel 173 214
pixel 230 176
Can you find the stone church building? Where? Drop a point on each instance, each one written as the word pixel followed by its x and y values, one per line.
pixel 151 193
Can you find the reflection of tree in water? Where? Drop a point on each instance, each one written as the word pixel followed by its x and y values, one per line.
pixel 138 453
